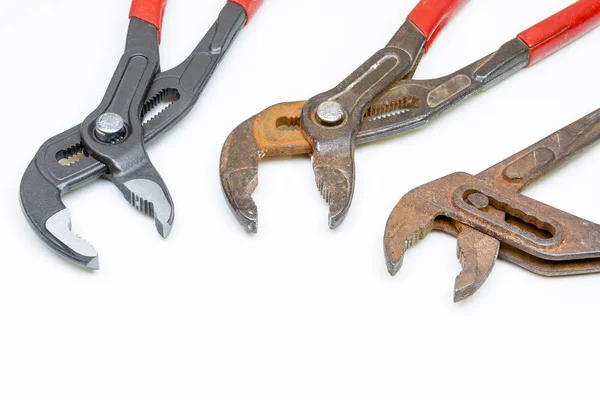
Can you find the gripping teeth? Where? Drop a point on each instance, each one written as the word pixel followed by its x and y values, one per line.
pixel 460 254
pixel 71 155
pixel 477 253
pixel 390 108
pixel 414 238
pixel 142 205
pixel 158 103
pixel 290 123
pixel 410 221
pixel 336 191
pixel 80 251
pixel 396 247
pixel 324 190
pixel 150 199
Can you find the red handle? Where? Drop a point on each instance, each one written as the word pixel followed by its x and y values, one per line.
pixel 151 11
pixel 249 5
pixel 562 28
pixel 430 16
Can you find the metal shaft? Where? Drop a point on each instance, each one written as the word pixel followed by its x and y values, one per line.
pixel 527 166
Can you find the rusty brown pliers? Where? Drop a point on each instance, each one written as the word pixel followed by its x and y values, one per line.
pixel 490 217
pixel 378 100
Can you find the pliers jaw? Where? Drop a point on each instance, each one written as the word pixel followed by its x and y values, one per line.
pixel 491 219
pixel 332 120
pixel 275 131
pixel 239 174
pixel 403 106
pixel 113 134
pixel 381 99
pixel 77 156
pixel 40 199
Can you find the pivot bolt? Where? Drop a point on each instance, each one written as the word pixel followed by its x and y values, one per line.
pixel 110 127
pixel 478 200
pixel 330 113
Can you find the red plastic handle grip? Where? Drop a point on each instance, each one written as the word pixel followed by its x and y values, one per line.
pixel 562 28
pixel 151 11
pixel 430 16
pixel 250 6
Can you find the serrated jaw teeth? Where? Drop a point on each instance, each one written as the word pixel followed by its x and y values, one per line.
pixel 149 198
pixel 410 221
pixel 477 253
pixel 396 247
pixel 79 251
pixel 336 190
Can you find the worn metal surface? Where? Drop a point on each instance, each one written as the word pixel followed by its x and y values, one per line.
pixel 490 217
pixel 76 156
pixel 333 143
pixel 402 106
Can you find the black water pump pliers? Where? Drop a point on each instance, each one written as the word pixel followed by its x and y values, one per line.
pixel 111 140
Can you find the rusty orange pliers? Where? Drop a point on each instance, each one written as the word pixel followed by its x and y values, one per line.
pixel 378 100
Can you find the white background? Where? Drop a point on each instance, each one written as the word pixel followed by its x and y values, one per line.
pixel 297 311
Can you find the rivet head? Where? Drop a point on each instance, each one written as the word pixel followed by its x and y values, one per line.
pixel 110 127
pixel 330 113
